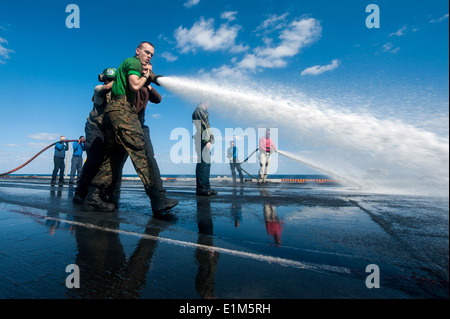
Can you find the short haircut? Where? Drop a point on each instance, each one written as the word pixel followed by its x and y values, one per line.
pixel 141 44
pixel 81 136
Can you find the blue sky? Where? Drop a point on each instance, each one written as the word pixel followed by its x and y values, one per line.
pixel 322 48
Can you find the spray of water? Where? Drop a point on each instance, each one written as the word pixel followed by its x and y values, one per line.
pixel 384 155
pixel 303 161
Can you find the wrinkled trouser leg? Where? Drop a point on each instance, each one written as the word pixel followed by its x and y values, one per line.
pixel 156 175
pixel 262 167
pixel 95 151
pixel 59 166
pixel 94 158
pixel 113 191
pixel 233 171
pixel 264 163
pixel 203 168
pixel 125 135
pixel 76 165
pixel 55 168
pixel 239 169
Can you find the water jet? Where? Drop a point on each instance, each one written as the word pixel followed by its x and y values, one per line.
pixel 384 155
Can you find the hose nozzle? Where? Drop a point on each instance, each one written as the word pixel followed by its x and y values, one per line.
pixel 155 79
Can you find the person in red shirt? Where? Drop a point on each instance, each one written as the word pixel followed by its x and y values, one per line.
pixel 266 148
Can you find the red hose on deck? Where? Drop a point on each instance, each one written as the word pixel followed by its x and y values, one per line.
pixel 24 164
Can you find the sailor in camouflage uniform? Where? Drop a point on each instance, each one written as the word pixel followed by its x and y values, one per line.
pixel 95 134
pixel 124 134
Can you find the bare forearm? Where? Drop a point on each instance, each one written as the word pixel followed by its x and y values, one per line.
pixel 136 83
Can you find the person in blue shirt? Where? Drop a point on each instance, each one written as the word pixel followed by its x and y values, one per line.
pixel 234 163
pixel 77 158
pixel 61 148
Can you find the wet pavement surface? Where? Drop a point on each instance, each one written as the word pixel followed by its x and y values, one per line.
pixel 279 241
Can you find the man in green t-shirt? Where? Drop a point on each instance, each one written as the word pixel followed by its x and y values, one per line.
pixel 124 134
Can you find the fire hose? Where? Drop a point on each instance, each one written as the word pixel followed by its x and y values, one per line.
pixel 68 141
pixel 24 164
pixel 246 161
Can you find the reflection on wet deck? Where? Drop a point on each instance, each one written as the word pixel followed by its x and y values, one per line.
pixel 248 242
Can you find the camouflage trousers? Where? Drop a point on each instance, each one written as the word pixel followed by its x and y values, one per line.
pixel 124 137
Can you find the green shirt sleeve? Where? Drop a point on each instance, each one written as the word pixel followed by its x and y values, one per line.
pixel 121 85
pixel 134 67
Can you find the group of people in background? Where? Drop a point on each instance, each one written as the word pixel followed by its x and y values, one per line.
pixel 204 139
pixel 115 130
pixel 59 158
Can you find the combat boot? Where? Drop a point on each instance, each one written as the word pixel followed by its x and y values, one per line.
pixel 93 201
pixel 114 198
pixel 77 199
pixel 160 203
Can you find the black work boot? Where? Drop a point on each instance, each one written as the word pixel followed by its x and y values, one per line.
pixel 93 201
pixel 160 203
pixel 77 199
pixel 114 198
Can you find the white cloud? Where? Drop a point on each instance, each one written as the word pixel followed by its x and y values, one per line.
pixel 297 35
pixel 237 48
pixel 273 22
pixel 202 35
pixel 445 16
pixel 228 15
pixel 318 69
pixel 191 3
pixel 389 47
pixel 169 57
pixel 166 39
pixel 291 37
pixel 4 52
pixel 45 136
pixel 6 26
pixel 399 32
pixel 229 73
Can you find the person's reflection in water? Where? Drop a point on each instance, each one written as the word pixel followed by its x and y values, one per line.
pixel 273 224
pixel 135 270
pixel 207 260
pixel 51 223
pixel 55 192
pixel 100 258
pixel 236 208
pixel 70 192
pixel 104 270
